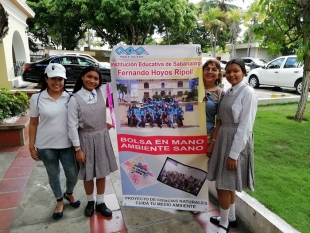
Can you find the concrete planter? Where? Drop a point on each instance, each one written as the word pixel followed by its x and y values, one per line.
pixel 15 134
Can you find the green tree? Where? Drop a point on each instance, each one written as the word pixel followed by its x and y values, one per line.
pixel 288 23
pixel 57 22
pixel 4 23
pixel 150 41
pixel 32 45
pixel 182 21
pixel 132 21
pixel 213 21
pixel 252 17
pixel 234 19
pixel 206 4
pixel 199 35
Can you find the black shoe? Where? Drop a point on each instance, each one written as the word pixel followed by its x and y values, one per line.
pixel 90 209
pixel 104 210
pixel 225 228
pixel 58 215
pixel 73 204
pixel 214 220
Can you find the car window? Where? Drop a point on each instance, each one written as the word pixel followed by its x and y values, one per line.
pixel 85 61
pixel 64 61
pixel 291 62
pixel 56 60
pixel 68 60
pixel 275 64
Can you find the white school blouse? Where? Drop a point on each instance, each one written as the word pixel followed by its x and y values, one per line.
pixel 74 116
pixel 244 111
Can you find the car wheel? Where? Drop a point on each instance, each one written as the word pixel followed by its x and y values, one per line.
pixel 253 81
pixel 298 87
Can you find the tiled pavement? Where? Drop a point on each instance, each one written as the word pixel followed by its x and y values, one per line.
pixel 26 205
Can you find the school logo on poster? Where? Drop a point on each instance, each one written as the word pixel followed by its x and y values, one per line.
pixel 131 51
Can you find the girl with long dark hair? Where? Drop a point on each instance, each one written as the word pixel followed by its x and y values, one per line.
pixel 88 131
pixel 231 163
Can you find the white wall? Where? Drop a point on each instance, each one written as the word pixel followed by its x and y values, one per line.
pixel 17 35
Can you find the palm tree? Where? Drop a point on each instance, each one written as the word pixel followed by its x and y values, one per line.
pixel 212 21
pixel 204 5
pixel 252 17
pixel 234 19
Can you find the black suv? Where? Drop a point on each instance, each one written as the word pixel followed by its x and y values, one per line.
pixel 74 64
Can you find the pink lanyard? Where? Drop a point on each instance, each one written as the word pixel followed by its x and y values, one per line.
pixel 110 104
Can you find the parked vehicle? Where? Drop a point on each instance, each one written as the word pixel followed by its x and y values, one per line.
pixel 74 64
pixel 254 62
pixel 283 71
pixel 224 62
pixel 101 64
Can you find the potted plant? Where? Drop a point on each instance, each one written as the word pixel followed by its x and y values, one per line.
pixel 13 133
pixel 12 104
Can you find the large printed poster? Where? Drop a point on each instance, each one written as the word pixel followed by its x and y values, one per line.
pixel 161 125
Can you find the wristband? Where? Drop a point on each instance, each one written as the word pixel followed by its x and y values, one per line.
pixel 213 139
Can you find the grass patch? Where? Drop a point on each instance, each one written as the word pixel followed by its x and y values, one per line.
pixel 282 163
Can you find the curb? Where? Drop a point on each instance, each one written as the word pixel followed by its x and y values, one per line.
pixel 279 95
pixel 266 101
pixel 255 216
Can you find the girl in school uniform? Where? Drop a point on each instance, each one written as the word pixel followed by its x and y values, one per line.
pixel 231 163
pixel 48 135
pixel 88 131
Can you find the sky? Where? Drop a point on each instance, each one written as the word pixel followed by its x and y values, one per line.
pixel 239 3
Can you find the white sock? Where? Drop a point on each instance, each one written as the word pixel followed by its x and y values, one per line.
pixel 232 214
pixel 224 220
pixel 100 198
pixel 90 197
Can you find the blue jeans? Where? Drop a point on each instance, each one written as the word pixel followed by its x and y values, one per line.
pixel 51 158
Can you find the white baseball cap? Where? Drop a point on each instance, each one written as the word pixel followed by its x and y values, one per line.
pixel 55 70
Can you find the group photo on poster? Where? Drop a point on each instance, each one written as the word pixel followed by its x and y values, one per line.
pixel 161 126
pixel 157 103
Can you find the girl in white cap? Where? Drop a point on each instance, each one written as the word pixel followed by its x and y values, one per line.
pixel 48 135
pixel 88 131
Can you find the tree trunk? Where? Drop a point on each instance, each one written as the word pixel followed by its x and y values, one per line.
pixel 233 49
pixel 306 77
pixel 167 33
pixel 304 93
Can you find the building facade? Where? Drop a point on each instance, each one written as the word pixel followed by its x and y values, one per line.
pixel 14 49
pixel 254 51
pixel 172 87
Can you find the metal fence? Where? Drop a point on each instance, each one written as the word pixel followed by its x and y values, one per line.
pixel 18 68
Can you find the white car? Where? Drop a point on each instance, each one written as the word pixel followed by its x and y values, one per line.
pixel 285 71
